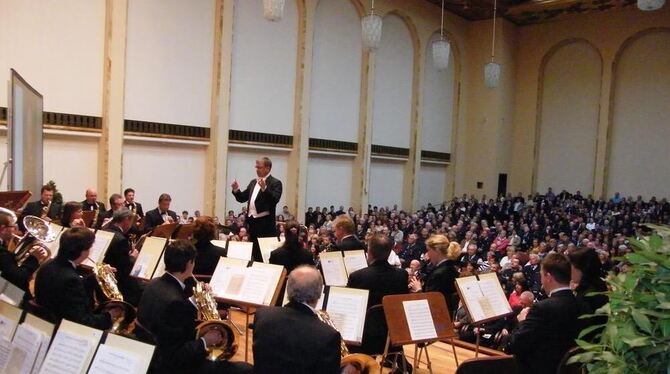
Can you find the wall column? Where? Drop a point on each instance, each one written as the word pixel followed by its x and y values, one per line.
pixel 602 138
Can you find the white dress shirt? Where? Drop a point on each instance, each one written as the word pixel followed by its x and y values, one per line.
pixel 252 199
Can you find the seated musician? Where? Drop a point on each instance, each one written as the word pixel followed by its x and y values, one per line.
pixel 121 254
pixel 91 202
pixel 60 290
pixel 72 215
pixel 161 215
pixel 116 202
pixel 292 339
pixel 167 318
pixel 44 208
pixel 208 254
pixel 19 275
pixel 136 208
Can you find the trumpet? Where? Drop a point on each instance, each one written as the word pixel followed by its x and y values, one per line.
pixel 38 234
pixel 109 286
pixel 209 314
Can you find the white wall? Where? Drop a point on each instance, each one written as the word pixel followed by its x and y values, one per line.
pixel 58 47
pixel 169 61
pixel 641 119
pixel 438 103
pixel 329 180
pixel 336 72
pixel 393 85
pixel 569 119
pixel 264 69
pixel 432 179
pixel 71 162
pixel 241 166
pixel 386 182
pixel 153 168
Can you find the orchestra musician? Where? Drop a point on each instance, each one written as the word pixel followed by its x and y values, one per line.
pixel 72 215
pixel 121 255
pixel 343 228
pixel 44 208
pixel 19 275
pixel 161 215
pixel 131 204
pixel 60 290
pixel 208 255
pixel 116 203
pixel 91 202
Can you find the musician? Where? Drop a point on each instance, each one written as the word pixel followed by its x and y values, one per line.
pixel 443 256
pixel 91 203
pixel 343 229
pixel 261 195
pixel 116 203
pixel 9 268
pixel 208 255
pixel 292 339
pixel 291 254
pixel 169 316
pixel 160 215
pixel 130 202
pixel 121 255
pixel 60 290
pixel 44 208
pixel 72 215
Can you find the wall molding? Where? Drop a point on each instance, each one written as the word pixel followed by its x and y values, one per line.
pixel 261 138
pixel 435 156
pixel 385 150
pixel 164 129
pixel 333 145
pixel 63 121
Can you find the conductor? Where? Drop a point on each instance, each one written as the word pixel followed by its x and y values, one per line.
pixel 261 195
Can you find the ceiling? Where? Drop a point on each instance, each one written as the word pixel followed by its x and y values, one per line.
pixel 525 12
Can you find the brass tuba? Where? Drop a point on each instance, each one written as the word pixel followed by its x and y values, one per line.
pixel 109 286
pixel 38 234
pixel 209 314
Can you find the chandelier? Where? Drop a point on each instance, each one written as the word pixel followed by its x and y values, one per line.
pixel 441 48
pixel 273 10
pixel 371 27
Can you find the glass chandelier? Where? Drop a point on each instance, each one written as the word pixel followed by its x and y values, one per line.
pixel 441 48
pixel 492 69
pixel 371 28
pixel 273 10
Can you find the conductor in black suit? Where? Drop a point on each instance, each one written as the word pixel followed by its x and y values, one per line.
pixel 292 339
pixel 167 318
pixel 346 240
pixel 44 208
pixel 60 290
pixel 261 195
pixel 551 324
pixel 160 215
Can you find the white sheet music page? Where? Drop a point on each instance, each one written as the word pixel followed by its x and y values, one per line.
pixel 240 250
pixel 334 271
pixel 257 284
pixel 495 297
pixel 267 245
pixel 110 360
pixel 419 319
pixel 7 327
pixel 68 354
pixel 100 245
pixel 25 347
pixel 5 348
pixel 228 277
pixel 347 308
pixel 146 261
pixel 42 353
pixel 354 260
pixel 472 295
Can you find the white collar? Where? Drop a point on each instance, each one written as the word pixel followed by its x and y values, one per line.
pixel 182 284
pixel 558 290
pixel 73 264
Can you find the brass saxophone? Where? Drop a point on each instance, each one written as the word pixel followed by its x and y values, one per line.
pixel 325 318
pixel 365 364
pixel 208 313
pixel 94 223
pixel 109 286
pixel 45 210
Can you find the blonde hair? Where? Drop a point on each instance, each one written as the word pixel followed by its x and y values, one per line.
pixel 440 243
pixel 345 223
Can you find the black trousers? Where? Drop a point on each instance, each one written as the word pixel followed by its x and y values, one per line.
pixel 260 228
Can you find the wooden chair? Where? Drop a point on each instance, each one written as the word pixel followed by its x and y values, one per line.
pixel 489 365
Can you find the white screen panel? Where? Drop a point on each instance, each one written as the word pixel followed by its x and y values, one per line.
pixel 71 162
pixel 329 180
pixel 386 182
pixel 438 104
pixel 432 184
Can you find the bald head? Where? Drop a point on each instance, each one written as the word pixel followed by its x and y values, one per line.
pixel 304 285
pixel 91 195
pixel 526 299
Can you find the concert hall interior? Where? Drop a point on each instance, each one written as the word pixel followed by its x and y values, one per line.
pixel 246 164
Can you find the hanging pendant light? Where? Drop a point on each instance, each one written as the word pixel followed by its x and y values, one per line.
pixel 648 5
pixel 492 69
pixel 273 10
pixel 371 29
pixel 441 48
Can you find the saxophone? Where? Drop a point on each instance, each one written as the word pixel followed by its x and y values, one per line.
pixel 94 222
pixel 208 313
pixel 45 210
pixel 363 363
pixel 325 318
pixel 109 286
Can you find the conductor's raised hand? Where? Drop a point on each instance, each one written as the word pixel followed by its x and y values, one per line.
pixel 235 185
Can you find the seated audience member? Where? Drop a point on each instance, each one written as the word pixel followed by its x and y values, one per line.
pixel 515 296
pixel 532 273
pixel 292 339
pixel 72 215
pixel 412 250
pixel 18 275
pixel 551 324
pixel 207 254
pixel 291 254
pixel 59 289
pixel 586 272
pixel 343 228
pixel 443 257
pixel 167 318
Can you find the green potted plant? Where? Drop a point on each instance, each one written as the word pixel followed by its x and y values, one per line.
pixel 636 337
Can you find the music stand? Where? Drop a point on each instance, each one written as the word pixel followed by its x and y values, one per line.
pixel 14 200
pixel 398 327
pixel 184 231
pixel 88 216
pixel 165 230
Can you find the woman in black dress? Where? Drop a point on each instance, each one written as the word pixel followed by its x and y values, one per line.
pixel 207 254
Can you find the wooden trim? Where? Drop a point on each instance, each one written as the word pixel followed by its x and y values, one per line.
pixel 172 130
pixel 385 150
pixel 332 145
pixel 250 137
pixel 435 156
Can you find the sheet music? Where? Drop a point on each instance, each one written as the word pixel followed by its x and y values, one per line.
pixel 495 297
pixel 12 295
pixel 257 284
pixel 100 245
pixel 472 295
pixel 7 327
pixel 42 353
pixel 110 360
pixel 354 260
pixel 239 250
pixel 267 245
pixel 347 309
pixel 149 257
pixel 69 353
pixel 160 268
pixel 5 348
pixel 483 298
pixel 334 271
pixel 25 347
pixel 419 319
pixel 227 279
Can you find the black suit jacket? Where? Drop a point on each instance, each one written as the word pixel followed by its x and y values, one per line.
pixel 118 256
pixel 382 279
pixel 10 270
pixel 96 206
pixel 60 291
pixel 442 279
pixel 138 208
pixel 291 256
pixel 35 209
pixel 166 312
pixel 154 218
pixel 265 200
pixel 350 243
pixel 207 257
pixel 293 340
pixel 547 333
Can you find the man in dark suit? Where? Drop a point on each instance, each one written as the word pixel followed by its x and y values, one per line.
pixel 551 324
pixel 343 229
pixel 60 290
pixel 412 250
pixel 160 215
pixel 262 195
pixel 9 268
pixel 292 339
pixel 121 255
pixel 130 202
pixel 44 208
pixel 167 317
pixel 382 279
pixel 116 202
pixel 91 203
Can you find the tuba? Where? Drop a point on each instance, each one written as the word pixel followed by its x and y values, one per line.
pixel 361 362
pixel 108 284
pixel 209 314
pixel 38 234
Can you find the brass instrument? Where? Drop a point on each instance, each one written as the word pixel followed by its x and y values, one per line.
pixel 94 222
pixel 209 314
pixel 38 234
pixel 363 363
pixel 325 318
pixel 109 286
pixel 45 210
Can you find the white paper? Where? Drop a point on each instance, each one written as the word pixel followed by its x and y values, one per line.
pixel 240 250
pixel 7 327
pixel 148 258
pixel 495 300
pixel 334 272
pixel 12 295
pixel 68 354
pixel 42 353
pixel 99 247
pixel 5 348
pixel 472 295
pixel 25 347
pixel 354 260
pixel 419 319
pixel 267 245
pixel 228 277
pixel 347 311
pixel 233 280
pixel 110 360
